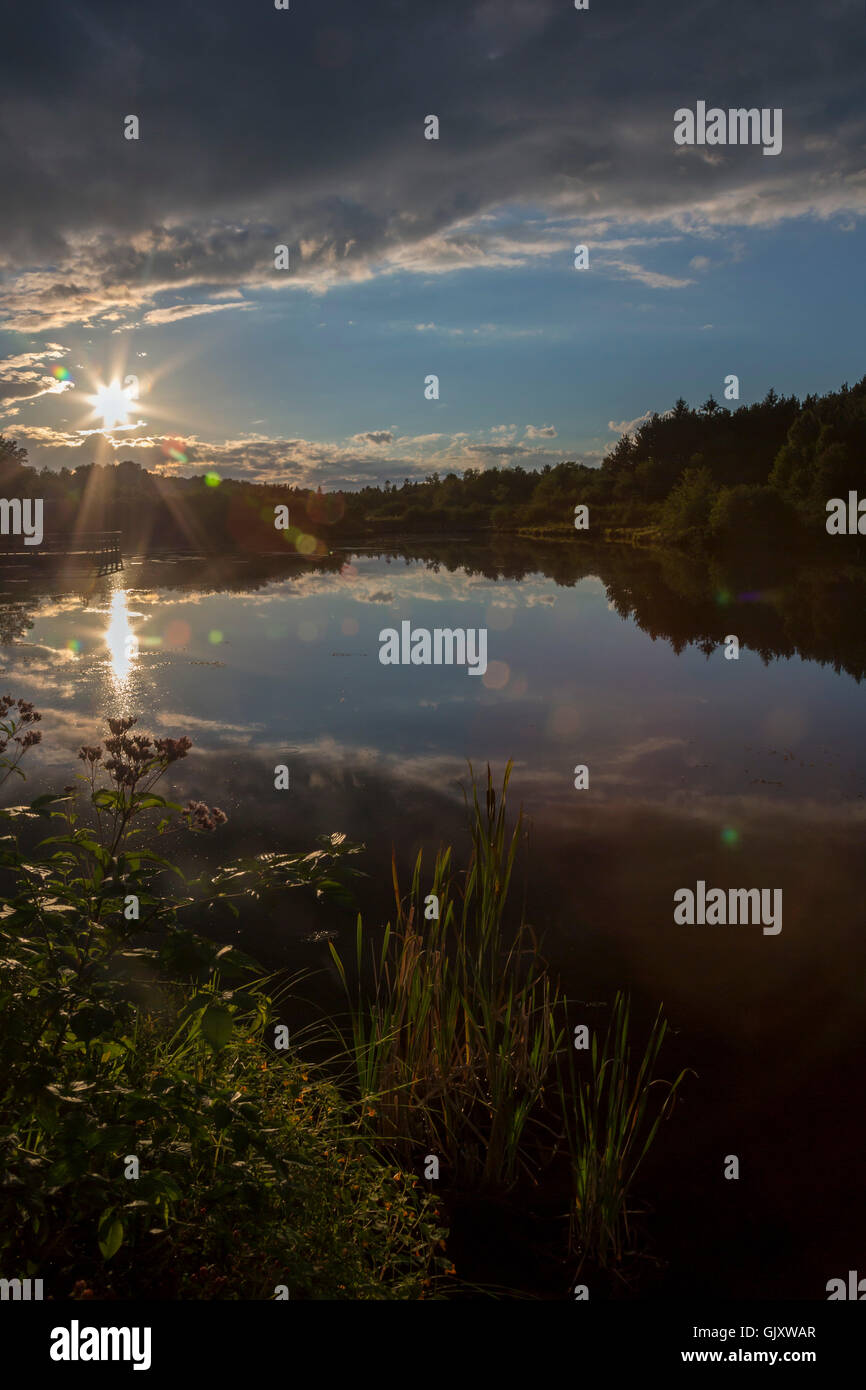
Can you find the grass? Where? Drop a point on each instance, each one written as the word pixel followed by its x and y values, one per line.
pixel 453 1021
pixel 457 1031
pixel 611 1121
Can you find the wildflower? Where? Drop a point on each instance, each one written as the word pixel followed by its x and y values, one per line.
pixel 88 754
pixel 203 817
pixel 170 749
pixel 121 726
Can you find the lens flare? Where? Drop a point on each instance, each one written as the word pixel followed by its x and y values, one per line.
pixel 173 449
pixel 497 675
pixel 178 633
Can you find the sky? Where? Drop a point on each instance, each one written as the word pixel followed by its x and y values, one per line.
pixel 257 127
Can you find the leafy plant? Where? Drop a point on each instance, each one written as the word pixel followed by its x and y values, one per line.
pixel 151 1142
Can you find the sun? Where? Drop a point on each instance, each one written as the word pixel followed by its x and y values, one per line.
pixel 113 403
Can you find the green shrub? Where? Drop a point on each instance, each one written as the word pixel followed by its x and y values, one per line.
pixel 252 1171
pixel 686 511
pixel 748 516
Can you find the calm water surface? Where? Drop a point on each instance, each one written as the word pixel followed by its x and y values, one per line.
pixel 747 773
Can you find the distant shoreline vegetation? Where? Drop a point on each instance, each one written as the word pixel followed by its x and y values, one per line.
pixel 707 478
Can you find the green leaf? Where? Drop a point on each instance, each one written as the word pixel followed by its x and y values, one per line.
pixel 105 799
pixel 160 1184
pixel 216 1026
pixel 110 1235
pixel 148 801
pixel 158 859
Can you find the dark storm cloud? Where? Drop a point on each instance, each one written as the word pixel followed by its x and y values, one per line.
pixel 305 127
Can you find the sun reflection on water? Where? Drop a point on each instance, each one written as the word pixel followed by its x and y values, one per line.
pixel 121 641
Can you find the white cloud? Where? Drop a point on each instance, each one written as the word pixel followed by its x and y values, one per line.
pixel 356 461
pixel 174 313
pixel 630 270
pixel 628 426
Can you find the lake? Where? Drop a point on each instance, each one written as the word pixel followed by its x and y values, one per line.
pixel 737 773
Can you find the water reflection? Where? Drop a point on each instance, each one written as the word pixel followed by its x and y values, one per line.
pixel 121 641
pixel 738 773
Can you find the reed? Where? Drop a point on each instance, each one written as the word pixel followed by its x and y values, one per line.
pixel 611 1119
pixel 454 1018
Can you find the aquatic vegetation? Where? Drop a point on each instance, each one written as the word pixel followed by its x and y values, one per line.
pixel 458 1035
pixel 612 1117
pixel 454 1033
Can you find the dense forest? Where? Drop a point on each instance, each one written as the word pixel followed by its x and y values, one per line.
pixel 705 477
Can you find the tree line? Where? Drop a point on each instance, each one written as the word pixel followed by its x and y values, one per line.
pixel 690 476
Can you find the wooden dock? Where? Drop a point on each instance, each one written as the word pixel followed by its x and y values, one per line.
pixel 97 552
